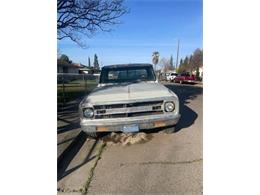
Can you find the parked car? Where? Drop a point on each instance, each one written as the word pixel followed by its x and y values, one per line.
pixel 184 78
pixel 170 77
pixel 163 77
pixel 128 98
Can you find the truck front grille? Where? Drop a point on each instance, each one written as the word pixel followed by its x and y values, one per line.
pixel 128 109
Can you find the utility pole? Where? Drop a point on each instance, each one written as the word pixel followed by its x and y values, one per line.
pixel 177 57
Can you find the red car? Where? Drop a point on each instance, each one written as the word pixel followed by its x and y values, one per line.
pixel 184 78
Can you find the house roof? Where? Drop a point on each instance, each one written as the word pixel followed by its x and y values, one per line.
pixel 86 68
pixel 67 64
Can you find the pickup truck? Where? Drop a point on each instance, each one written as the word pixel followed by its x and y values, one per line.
pixel 128 98
pixel 184 78
pixel 170 77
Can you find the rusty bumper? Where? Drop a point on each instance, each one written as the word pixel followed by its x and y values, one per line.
pixel 117 124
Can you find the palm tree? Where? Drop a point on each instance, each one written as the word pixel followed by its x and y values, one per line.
pixel 155 58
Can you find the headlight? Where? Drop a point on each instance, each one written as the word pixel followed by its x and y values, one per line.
pixel 88 112
pixel 169 106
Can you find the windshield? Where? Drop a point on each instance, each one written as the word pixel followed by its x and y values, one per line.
pixel 185 74
pixel 127 74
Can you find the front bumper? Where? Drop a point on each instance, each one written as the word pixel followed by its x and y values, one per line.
pixel 117 124
pixel 190 81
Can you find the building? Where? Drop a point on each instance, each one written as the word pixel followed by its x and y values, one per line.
pixel 64 66
pixel 67 67
pixel 200 72
pixel 74 68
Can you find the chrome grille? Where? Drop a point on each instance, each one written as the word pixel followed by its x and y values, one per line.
pixel 128 109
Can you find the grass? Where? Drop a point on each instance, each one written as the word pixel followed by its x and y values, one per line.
pixel 78 82
pixel 101 149
pixel 74 89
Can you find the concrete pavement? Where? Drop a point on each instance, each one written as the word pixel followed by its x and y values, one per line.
pixel 166 164
pixel 77 154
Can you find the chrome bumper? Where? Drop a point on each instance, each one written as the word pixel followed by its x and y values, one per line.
pixel 117 124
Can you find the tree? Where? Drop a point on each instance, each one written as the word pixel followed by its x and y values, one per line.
pixel 96 64
pixel 155 58
pixel 184 65
pixel 85 17
pixel 63 57
pixel 186 62
pixel 64 60
pixel 181 62
pixel 197 58
pixel 89 64
pixel 196 61
pixel 171 63
pixel 190 64
pixel 166 64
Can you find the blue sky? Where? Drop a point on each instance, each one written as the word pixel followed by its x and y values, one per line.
pixel 151 25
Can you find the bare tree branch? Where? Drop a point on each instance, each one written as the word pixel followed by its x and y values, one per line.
pixel 86 17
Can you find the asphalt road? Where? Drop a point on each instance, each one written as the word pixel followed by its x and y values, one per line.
pixel 166 164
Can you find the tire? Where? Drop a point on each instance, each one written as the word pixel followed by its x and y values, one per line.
pixel 169 130
pixel 92 134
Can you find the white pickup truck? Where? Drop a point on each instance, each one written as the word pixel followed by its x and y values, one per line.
pixel 170 77
pixel 128 99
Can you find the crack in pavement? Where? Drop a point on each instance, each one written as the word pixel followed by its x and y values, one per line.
pixel 86 187
pixel 161 162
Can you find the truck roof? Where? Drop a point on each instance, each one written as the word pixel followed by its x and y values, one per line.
pixel 127 65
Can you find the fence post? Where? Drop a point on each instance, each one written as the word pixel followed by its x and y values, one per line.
pixel 85 83
pixel 63 90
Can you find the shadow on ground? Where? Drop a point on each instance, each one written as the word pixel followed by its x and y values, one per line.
pixel 66 112
pixel 185 94
pixel 69 127
pixel 71 151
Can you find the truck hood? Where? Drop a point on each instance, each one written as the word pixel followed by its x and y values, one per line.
pixel 126 92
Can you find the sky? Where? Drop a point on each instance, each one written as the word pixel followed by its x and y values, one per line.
pixel 151 25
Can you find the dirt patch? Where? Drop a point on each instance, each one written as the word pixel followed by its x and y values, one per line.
pixel 125 139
